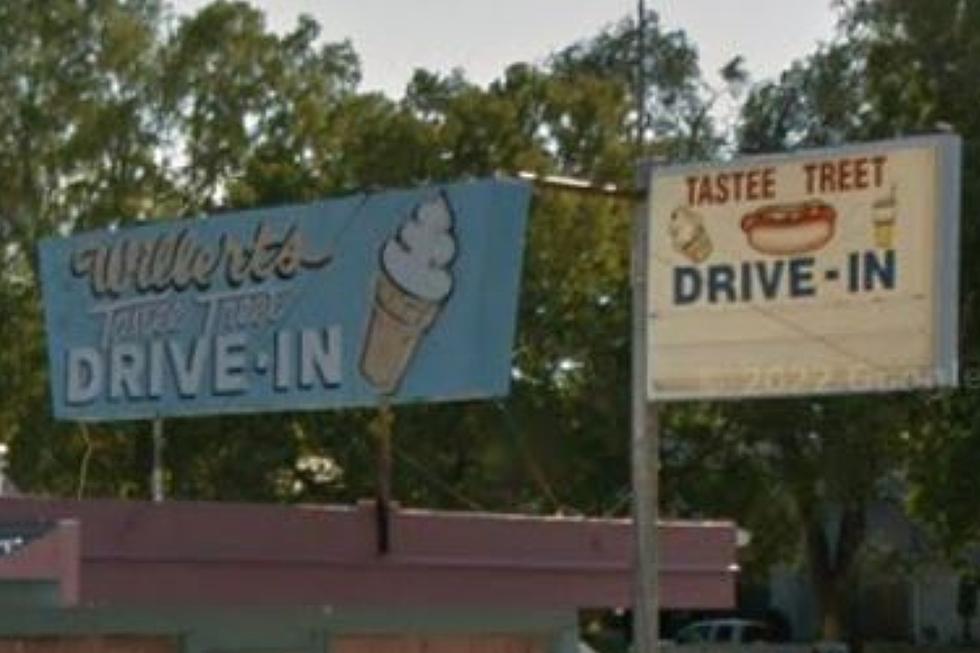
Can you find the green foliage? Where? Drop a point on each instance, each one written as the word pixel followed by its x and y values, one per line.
pixel 117 111
pixel 815 102
pixel 113 112
pixel 900 67
pixel 249 110
pixel 943 458
pixel 78 145
pixel 923 63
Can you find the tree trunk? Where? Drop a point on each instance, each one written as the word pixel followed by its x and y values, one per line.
pixel 832 567
pixel 833 604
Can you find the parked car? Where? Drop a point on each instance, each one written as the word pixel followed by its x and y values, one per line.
pixel 725 631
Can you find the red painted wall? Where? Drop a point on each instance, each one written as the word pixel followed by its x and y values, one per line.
pixel 137 553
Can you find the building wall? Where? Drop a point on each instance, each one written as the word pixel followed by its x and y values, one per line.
pixel 885 613
pixel 90 644
pixel 412 643
pixel 934 606
pixel 169 553
pixel 311 629
pixel 790 594
pixel 437 644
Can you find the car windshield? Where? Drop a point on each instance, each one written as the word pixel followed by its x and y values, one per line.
pixel 694 633
pixel 724 633
pixel 753 633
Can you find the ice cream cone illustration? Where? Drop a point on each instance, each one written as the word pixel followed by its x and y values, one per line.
pixel 412 286
pixel 689 236
pixel 883 216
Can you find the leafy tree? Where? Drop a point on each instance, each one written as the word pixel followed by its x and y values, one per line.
pixel 174 117
pixel 113 113
pixel 922 66
pixel 817 101
pixel 827 458
pixel 249 108
pixel 77 146
pixel 900 67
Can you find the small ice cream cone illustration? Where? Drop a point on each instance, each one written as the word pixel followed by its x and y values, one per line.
pixel 410 290
pixel 689 236
pixel 883 216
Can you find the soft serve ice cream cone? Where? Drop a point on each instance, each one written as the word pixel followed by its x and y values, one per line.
pixel 412 286
pixel 688 234
pixel 884 213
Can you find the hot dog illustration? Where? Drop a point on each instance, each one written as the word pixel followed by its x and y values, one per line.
pixel 786 229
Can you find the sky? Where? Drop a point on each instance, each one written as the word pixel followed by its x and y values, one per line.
pixel 393 37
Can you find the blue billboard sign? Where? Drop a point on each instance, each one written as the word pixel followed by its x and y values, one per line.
pixel 400 296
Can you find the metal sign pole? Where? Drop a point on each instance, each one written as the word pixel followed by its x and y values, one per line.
pixel 645 436
pixel 645 453
pixel 382 427
pixel 641 77
pixel 156 476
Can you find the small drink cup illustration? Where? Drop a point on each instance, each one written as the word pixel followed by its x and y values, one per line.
pixel 883 217
pixel 688 234
pixel 412 286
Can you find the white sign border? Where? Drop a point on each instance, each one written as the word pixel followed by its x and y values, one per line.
pixel 946 295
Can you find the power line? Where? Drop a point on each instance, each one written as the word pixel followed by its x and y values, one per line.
pixel 436 481
pixel 586 187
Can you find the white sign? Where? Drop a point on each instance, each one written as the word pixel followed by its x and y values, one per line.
pixel 816 272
